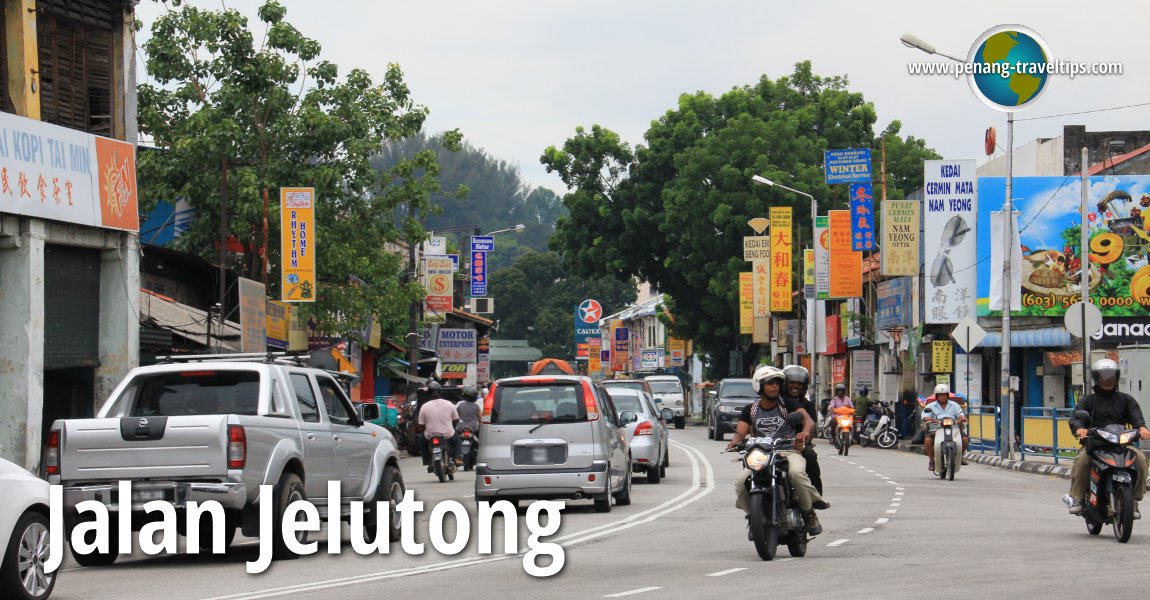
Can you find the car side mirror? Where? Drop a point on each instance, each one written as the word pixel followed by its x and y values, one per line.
pixel 627 417
pixel 795 419
pixel 368 411
pixel 1083 416
pixel 712 393
pixel 666 414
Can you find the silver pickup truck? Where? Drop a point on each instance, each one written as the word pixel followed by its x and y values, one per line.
pixel 217 430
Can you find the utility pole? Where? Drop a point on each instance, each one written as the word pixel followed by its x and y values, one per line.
pixel 223 240
pixel 412 311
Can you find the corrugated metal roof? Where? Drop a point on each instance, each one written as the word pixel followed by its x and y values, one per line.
pixel 186 321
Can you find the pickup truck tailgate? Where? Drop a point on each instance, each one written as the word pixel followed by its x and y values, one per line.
pixel 143 448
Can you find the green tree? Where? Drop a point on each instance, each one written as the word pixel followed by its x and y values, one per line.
pixel 673 212
pixel 281 117
pixel 904 158
pixel 537 296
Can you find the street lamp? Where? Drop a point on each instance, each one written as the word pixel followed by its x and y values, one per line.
pixel 1006 447
pixel 517 229
pixel 811 302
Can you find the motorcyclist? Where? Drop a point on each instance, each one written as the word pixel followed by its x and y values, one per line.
pixel 768 417
pixel 437 416
pixel 1106 406
pixel 954 399
pixel 796 381
pixel 841 398
pixel 469 409
pixel 940 406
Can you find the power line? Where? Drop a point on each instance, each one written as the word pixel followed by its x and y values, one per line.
pixel 1084 112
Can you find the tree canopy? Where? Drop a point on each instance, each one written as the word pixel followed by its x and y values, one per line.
pixel 281 116
pixel 674 210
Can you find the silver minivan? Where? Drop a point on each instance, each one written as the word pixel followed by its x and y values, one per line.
pixel 552 437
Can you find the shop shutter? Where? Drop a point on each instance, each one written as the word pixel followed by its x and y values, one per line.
pixel 71 307
pixel 74 40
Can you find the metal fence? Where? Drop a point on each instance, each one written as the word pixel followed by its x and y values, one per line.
pixel 1043 432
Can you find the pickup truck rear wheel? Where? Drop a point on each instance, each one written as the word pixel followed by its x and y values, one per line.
pixel 289 489
pixel 390 491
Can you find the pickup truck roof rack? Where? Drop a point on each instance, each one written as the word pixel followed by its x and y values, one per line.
pixel 297 359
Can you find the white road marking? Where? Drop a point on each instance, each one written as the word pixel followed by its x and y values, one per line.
pixel 727 572
pixel 870 471
pixel 837 543
pixel 849 462
pixel 891 511
pixel 700 487
pixel 866 530
pixel 882 521
pixel 898 493
pixel 885 477
pixel 894 504
pixel 893 483
pixel 638 591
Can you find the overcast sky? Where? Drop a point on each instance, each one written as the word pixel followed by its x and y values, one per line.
pixel 516 76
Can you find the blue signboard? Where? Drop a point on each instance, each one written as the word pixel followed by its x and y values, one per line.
pixel 478 274
pixel 587 315
pixel 894 303
pixel 483 243
pixel 850 165
pixel 862 216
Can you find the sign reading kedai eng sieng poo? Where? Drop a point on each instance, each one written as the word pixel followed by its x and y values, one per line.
pixel 950 219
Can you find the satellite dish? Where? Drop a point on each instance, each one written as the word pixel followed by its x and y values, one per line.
pixel 759 224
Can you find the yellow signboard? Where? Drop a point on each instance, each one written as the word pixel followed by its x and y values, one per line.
pixel 278 320
pixel 297 244
pixel 900 222
pixel 942 357
pixel 594 355
pixel 782 253
pixel 746 302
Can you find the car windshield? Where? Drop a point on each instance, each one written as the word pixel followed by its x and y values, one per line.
pixel 627 402
pixel 194 393
pixel 737 389
pixel 665 387
pixel 522 404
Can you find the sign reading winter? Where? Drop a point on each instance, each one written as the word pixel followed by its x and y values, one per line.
pixel 851 165
pixel 950 202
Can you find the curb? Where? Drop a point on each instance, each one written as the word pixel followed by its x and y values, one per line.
pixel 1021 466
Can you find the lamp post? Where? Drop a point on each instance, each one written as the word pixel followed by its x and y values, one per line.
pixel 812 321
pixel 1006 445
pixel 517 229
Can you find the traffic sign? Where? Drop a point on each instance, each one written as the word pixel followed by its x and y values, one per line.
pixel 967 334
pixel 1074 319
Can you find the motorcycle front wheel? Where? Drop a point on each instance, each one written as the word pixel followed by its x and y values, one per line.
pixel 763 533
pixel 1092 527
pixel 797 544
pixel 1123 500
pixel 951 464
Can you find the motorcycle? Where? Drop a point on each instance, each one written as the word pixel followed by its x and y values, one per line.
pixel 774 514
pixel 441 461
pixel 844 429
pixel 468 448
pixel 1112 476
pixel 947 447
pixel 879 428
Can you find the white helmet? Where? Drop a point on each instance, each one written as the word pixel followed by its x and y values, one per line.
pixel 764 374
pixel 941 388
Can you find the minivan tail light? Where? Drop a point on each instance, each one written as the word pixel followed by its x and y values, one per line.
pixel 52 456
pixel 488 404
pixel 589 402
pixel 645 428
pixel 237 447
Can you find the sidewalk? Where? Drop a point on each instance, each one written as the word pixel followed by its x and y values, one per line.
pixel 1039 465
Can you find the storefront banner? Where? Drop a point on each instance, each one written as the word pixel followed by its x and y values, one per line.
pixel 782 257
pixel 297 244
pixel 845 263
pixel 950 220
pixel 900 228
pixel 746 302
pixel 1002 229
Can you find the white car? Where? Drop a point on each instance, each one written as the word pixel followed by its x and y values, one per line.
pixel 24 518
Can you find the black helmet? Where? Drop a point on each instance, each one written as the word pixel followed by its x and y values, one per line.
pixel 1104 370
pixel 864 391
pixel 797 374
pixel 470 393
pixel 434 388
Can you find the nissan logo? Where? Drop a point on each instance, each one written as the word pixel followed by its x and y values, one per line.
pixel 143 422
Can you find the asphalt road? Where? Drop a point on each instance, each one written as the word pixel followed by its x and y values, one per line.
pixel 893 530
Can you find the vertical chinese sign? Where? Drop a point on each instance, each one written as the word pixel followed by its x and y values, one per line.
pixel 782 251
pixel 746 302
pixel 297 244
pixel 846 264
pixel 478 274
pixel 862 216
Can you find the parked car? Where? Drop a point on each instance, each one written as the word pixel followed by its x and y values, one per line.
pixel 731 396
pixel 217 428
pixel 669 392
pixel 24 518
pixel 647 434
pixel 552 437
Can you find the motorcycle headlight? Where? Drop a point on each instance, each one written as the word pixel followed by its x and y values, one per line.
pixel 948 422
pixel 757 459
pixel 1128 437
pixel 1110 437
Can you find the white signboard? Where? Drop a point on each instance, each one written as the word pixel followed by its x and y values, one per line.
pixel 974 393
pixel 756 247
pixel 650 358
pixel 863 369
pixel 950 216
pixel 457 345
pixel 60 174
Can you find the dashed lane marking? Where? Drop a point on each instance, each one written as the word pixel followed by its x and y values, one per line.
pixel 632 592
pixel 727 572
pixel 837 543
pixel 882 521
pixel 866 530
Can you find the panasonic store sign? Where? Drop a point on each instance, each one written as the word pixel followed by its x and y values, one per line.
pixel 1123 331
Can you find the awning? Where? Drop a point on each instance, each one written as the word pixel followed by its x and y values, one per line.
pixel 1042 337
pixel 397 374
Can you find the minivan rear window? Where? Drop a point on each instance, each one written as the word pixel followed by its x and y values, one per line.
pixel 194 393
pixel 538 404
pixel 627 402
pixel 665 387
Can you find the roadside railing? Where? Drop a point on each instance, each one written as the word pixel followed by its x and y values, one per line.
pixel 983 429
pixel 1046 432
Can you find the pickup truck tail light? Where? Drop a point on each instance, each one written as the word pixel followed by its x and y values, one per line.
pixel 644 428
pixel 488 405
pixel 52 456
pixel 589 402
pixel 237 447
